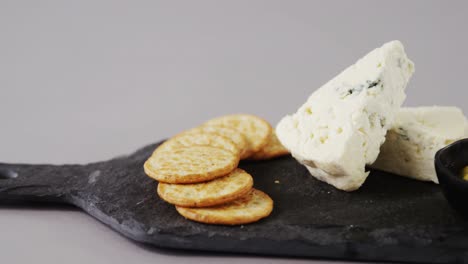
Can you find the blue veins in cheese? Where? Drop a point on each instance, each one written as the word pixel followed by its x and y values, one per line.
pixel 341 126
pixel 417 134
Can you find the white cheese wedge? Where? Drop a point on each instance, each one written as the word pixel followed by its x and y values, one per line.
pixel 417 134
pixel 342 125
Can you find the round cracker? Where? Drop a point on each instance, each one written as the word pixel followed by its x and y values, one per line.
pixel 199 139
pixel 256 130
pixel 235 136
pixel 273 149
pixel 191 164
pixel 247 209
pixel 215 192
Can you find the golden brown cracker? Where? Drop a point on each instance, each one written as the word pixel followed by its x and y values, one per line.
pixel 199 139
pixel 215 192
pixel 248 209
pixel 256 130
pixel 191 164
pixel 235 136
pixel 273 149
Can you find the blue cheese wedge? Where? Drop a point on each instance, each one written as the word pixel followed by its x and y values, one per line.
pixel 340 128
pixel 417 134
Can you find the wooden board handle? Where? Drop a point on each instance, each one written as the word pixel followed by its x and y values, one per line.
pixel 39 183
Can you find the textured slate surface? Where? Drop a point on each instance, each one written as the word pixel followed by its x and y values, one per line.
pixel 389 219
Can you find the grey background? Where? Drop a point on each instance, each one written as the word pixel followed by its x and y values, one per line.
pixel 82 81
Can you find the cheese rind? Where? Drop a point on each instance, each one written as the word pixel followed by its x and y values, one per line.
pixel 417 134
pixel 342 125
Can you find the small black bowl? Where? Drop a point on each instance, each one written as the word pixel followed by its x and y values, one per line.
pixel 449 163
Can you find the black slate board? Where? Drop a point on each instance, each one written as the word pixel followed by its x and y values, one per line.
pixel 389 219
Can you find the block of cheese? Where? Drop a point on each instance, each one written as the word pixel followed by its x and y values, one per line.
pixel 342 125
pixel 417 134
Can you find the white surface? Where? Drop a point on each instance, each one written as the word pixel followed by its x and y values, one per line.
pixel 87 80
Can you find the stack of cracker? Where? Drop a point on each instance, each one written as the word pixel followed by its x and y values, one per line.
pixel 197 170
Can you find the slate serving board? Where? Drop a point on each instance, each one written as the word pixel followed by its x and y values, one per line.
pixel 390 218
